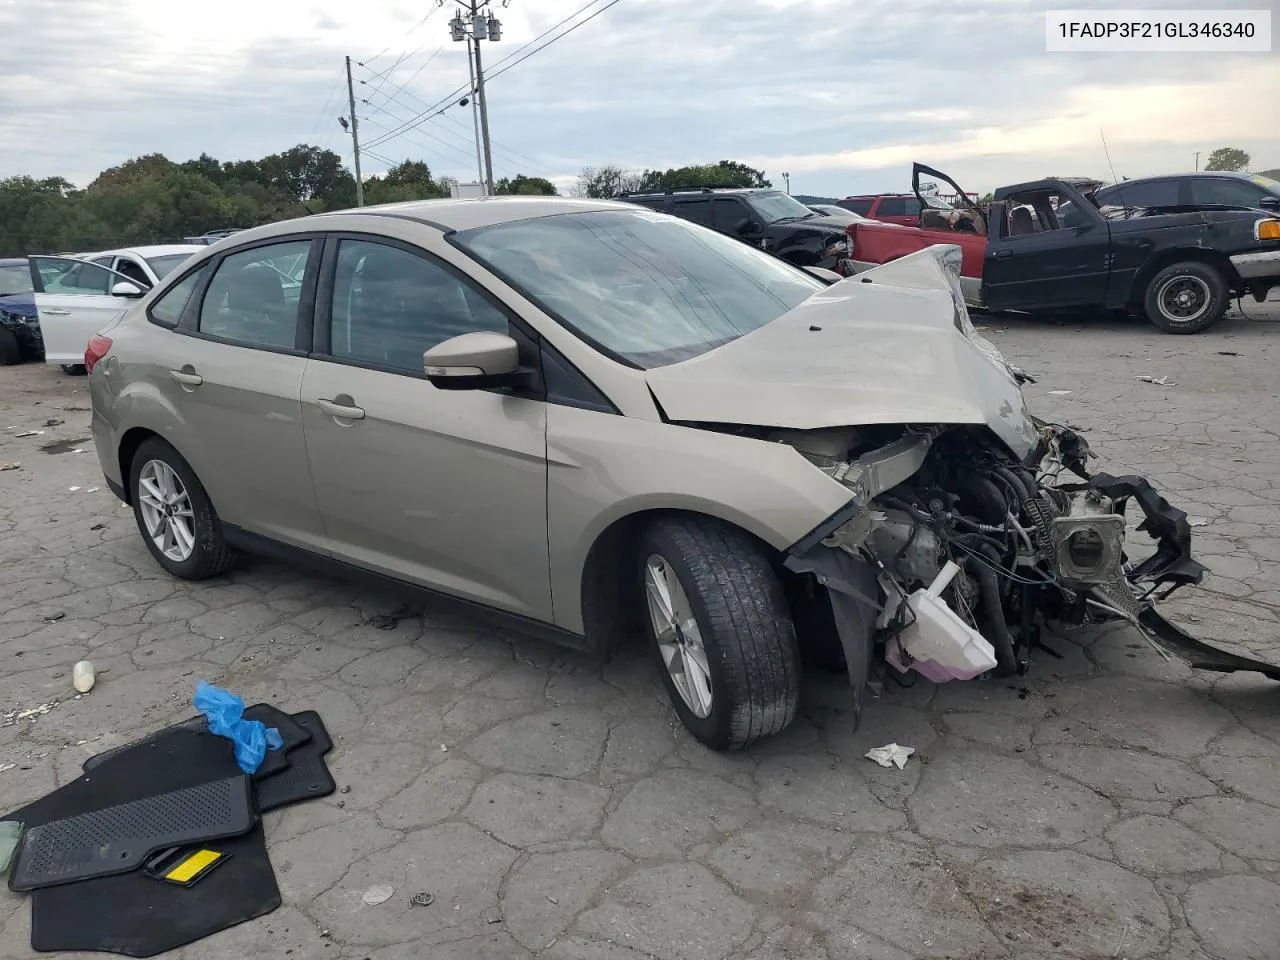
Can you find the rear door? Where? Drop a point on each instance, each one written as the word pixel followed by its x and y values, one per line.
pixel 74 301
pixel 234 374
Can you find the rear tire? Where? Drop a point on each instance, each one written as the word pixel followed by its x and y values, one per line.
pixel 175 515
pixel 10 352
pixel 726 602
pixel 1186 297
pixel 74 369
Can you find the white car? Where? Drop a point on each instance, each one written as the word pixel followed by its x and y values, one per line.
pixel 76 296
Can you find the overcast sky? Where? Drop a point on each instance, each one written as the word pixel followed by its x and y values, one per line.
pixel 842 94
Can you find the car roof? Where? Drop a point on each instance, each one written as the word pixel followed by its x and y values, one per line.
pixel 445 215
pixel 1232 174
pixel 155 250
pixel 13 261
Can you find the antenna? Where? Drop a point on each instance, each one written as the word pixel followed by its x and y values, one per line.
pixel 1112 166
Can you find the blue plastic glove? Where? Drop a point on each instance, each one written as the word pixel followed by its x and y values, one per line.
pixel 225 713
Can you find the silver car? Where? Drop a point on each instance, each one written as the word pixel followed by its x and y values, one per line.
pixel 590 417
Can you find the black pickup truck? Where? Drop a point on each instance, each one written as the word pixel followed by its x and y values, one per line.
pixel 769 219
pixel 1047 247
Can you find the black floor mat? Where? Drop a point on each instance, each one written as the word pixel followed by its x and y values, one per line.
pixel 292 733
pixel 182 763
pixel 307 776
pixel 138 916
pixel 117 839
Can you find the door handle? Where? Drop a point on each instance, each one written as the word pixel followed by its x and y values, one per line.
pixel 187 378
pixel 54 312
pixel 1003 254
pixel 344 411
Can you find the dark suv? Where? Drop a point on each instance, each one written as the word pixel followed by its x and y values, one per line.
pixel 769 219
pixel 1212 188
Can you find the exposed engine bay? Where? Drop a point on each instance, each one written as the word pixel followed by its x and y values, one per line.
pixel 955 554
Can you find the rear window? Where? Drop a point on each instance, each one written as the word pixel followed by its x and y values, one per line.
pixel 163 266
pixel 893 207
pixel 14 278
pixel 860 207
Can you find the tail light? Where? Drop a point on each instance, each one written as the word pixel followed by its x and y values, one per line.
pixel 95 351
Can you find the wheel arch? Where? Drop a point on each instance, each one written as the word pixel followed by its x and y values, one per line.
pixel 1167 258
pixel 611 603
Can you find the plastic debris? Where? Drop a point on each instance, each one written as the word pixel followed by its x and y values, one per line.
pixel 1197 522
pixel 10 834
pixel 29 433
pixel 424 898
pixel 6 767
pixel 890 755
pixel 1058 393
pixel 1161 381
pixel 93 490
pixel 11 466
pixel 82 676
pixel 375 895
pixel 225 713
pixel 73 489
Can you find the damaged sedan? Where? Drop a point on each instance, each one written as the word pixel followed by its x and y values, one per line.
pixel 593 420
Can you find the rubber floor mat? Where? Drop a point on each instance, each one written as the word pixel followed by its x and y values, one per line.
pixel 95 810
pixel 135 915
pixel 307 776
pixel 292 733
pixel 117 839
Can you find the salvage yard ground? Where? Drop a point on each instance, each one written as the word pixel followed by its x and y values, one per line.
pixel 1110 804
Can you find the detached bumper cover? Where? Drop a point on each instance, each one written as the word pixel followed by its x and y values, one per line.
pixel 1264 264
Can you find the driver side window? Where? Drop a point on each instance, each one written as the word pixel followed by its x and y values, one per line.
pixel 390 306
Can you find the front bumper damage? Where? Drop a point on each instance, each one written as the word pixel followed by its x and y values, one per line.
pixel 840 555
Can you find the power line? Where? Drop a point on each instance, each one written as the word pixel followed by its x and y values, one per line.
pixel 413 29
pixel 582 23
pixel 328 105
pixel 436 108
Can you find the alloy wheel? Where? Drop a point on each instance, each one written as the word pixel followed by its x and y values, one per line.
pixel 679 639
pixel 166 510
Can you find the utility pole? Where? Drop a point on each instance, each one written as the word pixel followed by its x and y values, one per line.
pixel 479 26
pixel 355 136
pixel 1197 161
pixel 787 178
pixel 475 114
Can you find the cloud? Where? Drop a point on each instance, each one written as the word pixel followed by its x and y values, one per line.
pixel 843 96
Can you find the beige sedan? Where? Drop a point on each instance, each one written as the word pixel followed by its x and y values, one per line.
pixel 585 417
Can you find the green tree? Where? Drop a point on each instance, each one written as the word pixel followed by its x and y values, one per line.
pixel 520 184
pixel 601 183
pixel 1227 158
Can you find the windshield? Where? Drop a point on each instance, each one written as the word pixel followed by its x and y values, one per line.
pixel 163 266
pixel 648 288
pixel 773 207
pixel 930 200
pixel 14 278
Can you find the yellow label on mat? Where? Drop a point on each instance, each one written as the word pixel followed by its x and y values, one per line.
pixel 188 868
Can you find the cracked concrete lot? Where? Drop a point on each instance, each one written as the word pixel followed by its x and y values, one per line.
pixel 1110 804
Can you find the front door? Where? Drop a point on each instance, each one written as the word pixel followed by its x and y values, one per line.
pixel 1034 262
pixel 73 299
pixel 445 489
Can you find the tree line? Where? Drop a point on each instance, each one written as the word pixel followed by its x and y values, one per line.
pixel 152 199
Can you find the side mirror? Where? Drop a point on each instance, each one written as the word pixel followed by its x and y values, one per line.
pixel 124 288
pixel 1270 202
pixel 745 226
pixel 473 361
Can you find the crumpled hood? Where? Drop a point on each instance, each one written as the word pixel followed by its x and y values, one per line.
pixel 891 345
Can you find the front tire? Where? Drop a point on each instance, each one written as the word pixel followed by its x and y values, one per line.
pixel 10 352
pixel 175 515
pixel 1186 297
pixel 719 624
